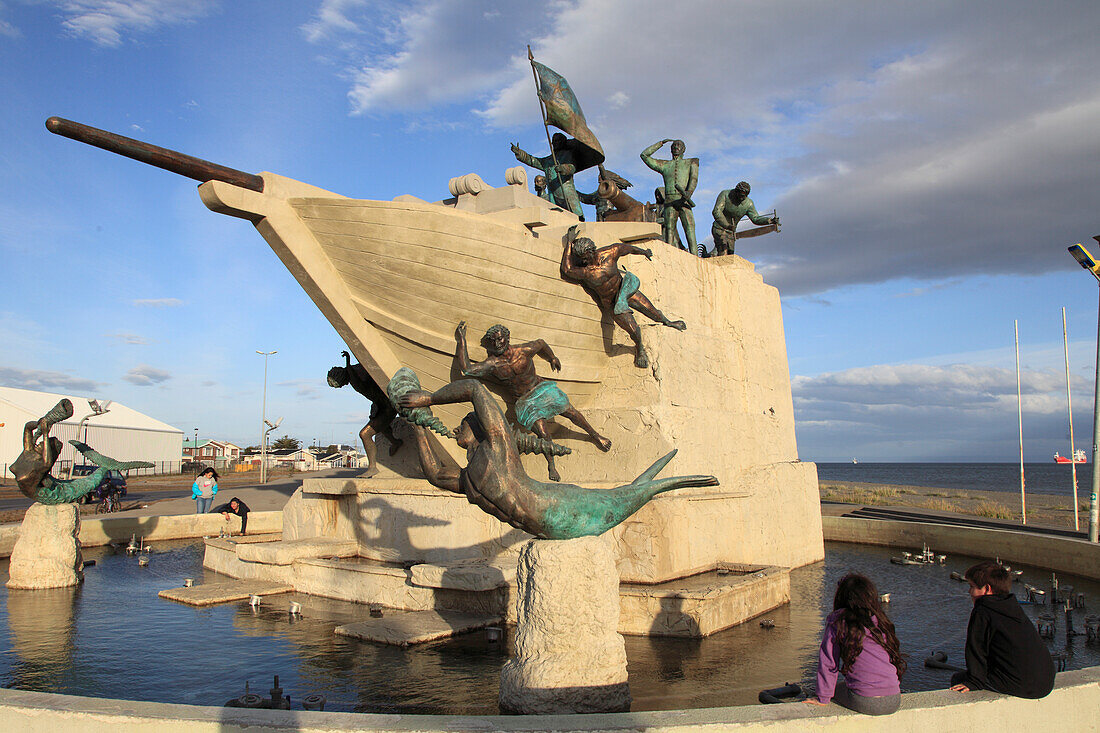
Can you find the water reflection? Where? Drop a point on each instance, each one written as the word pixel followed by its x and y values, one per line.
pixel 41 626
pixel 113 637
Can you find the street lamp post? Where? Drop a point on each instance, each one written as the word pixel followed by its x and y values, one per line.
pixel 195 447
pixel 97 410
pixel 1087 261
pixel 263 421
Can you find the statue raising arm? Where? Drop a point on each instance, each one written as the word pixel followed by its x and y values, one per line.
pixel 569 270
pixel 469 368
pixel 648 159
pixel 526 158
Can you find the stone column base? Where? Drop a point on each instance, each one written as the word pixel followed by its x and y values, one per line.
pixel 47 553
pixel 568 656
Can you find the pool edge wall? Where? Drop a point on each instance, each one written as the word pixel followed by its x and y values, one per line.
pixel 1060 554
pixel 97 531
pixel 1073 705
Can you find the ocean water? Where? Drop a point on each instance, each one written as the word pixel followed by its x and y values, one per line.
pixel 1039 478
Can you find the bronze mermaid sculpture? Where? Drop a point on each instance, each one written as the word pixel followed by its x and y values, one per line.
pixel 40 452
pixel 494 479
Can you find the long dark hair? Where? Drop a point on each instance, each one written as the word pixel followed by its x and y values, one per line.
pixel 858 598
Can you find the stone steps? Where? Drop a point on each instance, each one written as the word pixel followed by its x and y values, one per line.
pixel 209 594
pixel 416 627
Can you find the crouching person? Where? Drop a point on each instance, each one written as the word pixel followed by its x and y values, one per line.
pixel 234 506
pixel 1004 652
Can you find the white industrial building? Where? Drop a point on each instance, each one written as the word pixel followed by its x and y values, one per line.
pixel 121 432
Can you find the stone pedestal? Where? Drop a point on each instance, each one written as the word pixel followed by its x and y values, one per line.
pixel 47 553
pixel 568 655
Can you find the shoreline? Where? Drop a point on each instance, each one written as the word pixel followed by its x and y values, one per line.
pixel 1042 509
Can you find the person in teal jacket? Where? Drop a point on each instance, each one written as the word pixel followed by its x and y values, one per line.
pixel 204 489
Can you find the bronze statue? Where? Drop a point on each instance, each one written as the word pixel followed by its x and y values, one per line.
pixel 32 467
pixel 537 400
pixel 381 411
pixel 540 188
pixel 730 206
pixel 609 197
pixel 495 481
pixel 681 176
pixel 615 290
pixel 558 167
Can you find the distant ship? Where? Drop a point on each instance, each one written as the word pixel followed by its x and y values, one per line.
pixel 1078 457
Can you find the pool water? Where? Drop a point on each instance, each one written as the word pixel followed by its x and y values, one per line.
pixel 113 637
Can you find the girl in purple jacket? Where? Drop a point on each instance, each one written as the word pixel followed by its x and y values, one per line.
pixel 859 643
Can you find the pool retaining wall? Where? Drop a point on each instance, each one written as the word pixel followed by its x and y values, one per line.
pixel 1060 554
pixel 95 530
pixel 1072 706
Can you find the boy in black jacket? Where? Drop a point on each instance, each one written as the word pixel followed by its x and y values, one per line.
pixel 1004 652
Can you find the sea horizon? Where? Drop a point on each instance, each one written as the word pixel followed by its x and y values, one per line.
pixel 1039 477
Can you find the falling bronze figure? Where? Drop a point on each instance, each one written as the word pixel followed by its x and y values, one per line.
pixel 615 290
pixel 537 400
pixel 495 481
pixel 381 411
pixel 32 467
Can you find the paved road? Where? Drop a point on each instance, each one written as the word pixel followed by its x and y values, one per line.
pixel 258 497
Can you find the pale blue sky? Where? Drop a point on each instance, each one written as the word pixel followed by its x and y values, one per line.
pixel 930 161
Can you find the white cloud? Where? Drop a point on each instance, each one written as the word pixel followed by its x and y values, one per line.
pixel 144 375
pixel 332 19
pixel 129 338
pixel 47 381
pixel 929 140
pixel 6 28
pixel 104 22
pixel 618 99
pixel 305 388
pixel 920 412
pixel 158 303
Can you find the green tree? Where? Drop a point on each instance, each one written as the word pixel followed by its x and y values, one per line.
pixel 286 443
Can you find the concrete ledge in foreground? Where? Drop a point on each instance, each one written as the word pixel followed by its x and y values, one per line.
pixel 1072 706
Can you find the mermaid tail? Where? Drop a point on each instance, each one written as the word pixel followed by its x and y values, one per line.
pixel 106 461
pixel 61 491
pixel 575 512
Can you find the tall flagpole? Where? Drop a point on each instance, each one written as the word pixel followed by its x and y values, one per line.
pixel 542 109
pixel 1020 406
pixel 1072 447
